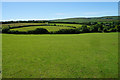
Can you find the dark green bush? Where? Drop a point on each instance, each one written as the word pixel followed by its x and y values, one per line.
pixel 67 31
pixel 17 32
pixel 36 31
pixel 40 31
pixel 5 29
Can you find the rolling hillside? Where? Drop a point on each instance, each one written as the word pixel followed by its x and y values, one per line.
pixel 92 19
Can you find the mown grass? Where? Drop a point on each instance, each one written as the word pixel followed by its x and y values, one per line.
pixel 0 56
pixel 49 28
pixel 92 55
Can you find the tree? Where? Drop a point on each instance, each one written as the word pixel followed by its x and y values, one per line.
pixel 94 28
pixel 84 29
pixel 100 27
pixel 5 29
pixel 40 31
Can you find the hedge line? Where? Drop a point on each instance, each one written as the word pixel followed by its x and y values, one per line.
pixel 83 29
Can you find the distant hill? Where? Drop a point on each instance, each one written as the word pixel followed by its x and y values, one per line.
pixel 92 19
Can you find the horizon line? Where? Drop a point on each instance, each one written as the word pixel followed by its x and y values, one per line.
pixel 53 18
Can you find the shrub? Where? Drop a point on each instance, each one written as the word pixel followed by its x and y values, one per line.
pixel 94 28
pixel 17 32
pixel 118 28
pixel 40 31
pixel 67 31
pixel 36 31
pixel 83 29
pixel 5 29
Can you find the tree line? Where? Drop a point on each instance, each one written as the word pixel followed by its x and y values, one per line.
pixel 82 29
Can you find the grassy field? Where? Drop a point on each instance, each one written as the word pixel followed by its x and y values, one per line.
pixel 20 24
pixel 92 55
pixel 94 19
pixel 0 55
pixel 57 26
pixel 74 25
pixel 23 24
pixel 49 28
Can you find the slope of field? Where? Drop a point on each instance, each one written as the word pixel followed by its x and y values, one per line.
pixel 49 28
pixel 20 24
pixel 35 24
pixel 74 25
pixel 0 55
pixel 94 19
pixel 93 55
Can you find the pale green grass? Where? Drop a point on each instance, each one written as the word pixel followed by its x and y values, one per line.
pixel 0 55
pixel 49 28
pixel 20 24
pixel 74 25
pixel 92 55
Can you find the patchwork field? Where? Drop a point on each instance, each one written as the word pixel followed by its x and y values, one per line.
pixel 32 26
pixel 23 24
pixel 95 19
pixel 74 25
pixel 20 24
pixel 49 28
pixel 89 55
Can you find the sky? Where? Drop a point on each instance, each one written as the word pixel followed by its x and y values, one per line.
pixel 56 10
pixel 60 0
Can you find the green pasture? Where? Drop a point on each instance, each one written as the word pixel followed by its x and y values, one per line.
pixel 89 55
pixel 94 19
pixel 0 55
pixel 23 24
pixel 20 24
pixel 74 25
pixel 49 28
